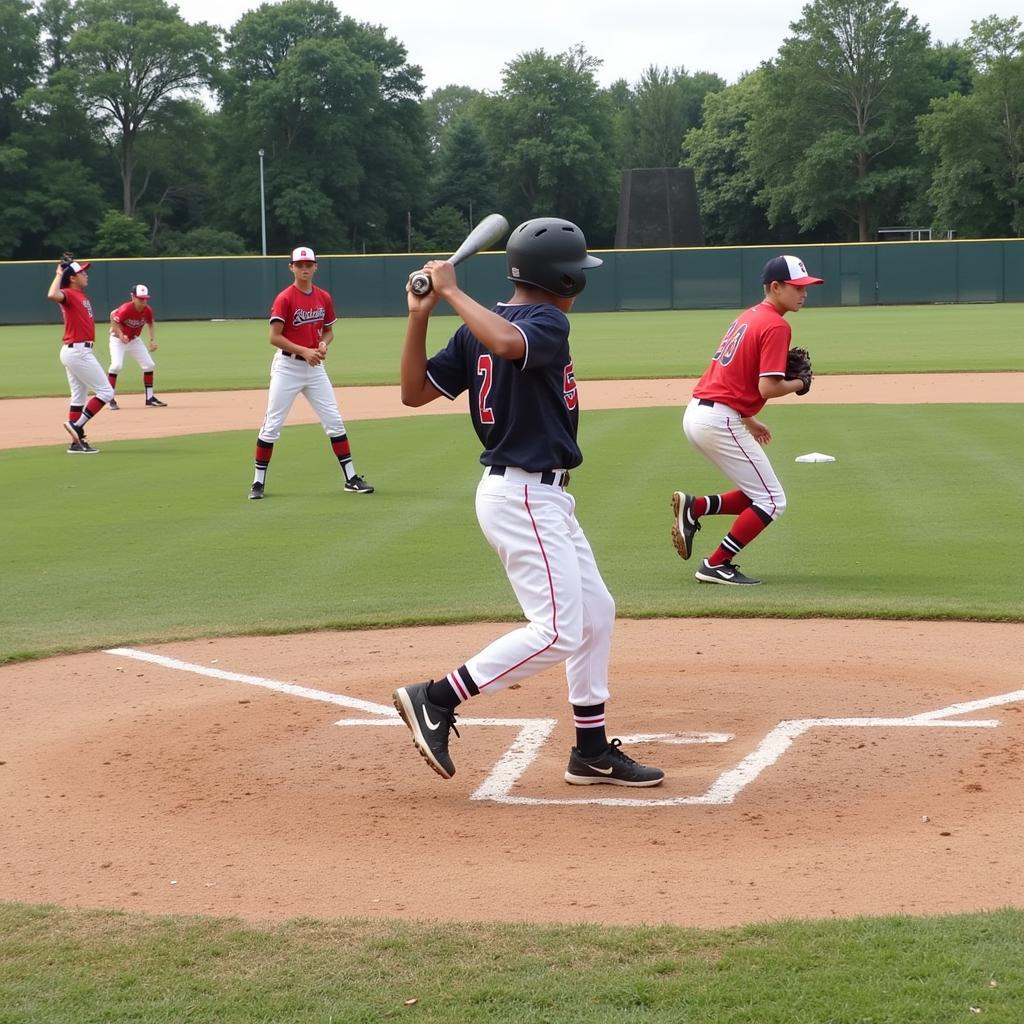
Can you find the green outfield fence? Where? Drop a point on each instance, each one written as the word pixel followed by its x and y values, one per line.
pixel 241 287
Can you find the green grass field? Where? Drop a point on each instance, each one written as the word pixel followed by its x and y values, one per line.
pixel 59 967
pixel 161 537
pixel 203 356
pixel 154 540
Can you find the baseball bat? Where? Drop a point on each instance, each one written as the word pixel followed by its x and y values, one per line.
pixel 489 230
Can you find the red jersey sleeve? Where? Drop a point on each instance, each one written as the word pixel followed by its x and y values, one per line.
pixel 775 349
pixel 280 308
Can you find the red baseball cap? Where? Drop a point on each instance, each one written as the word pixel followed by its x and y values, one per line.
pixel 140 291
pixel 303 255
pixel 77 268
pixel 788 270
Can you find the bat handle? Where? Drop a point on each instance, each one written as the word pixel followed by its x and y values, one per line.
pixel 420 283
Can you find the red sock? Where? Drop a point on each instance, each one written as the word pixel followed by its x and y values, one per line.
pixel 749 523
pixel 732 503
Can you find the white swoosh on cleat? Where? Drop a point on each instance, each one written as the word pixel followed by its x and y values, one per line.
pixel 430 725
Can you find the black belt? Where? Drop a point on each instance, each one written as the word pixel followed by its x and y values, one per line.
pixel 705 401
pixel 290 355
pixel 72 344
pixel 551 477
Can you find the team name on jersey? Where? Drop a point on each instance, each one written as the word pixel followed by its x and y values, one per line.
pixel 88 306
pixel 133 323
pixel 308 316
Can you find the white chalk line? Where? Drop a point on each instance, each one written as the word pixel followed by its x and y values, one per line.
pixel 533 733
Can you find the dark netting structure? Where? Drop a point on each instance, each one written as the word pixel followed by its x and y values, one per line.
pixel 658 209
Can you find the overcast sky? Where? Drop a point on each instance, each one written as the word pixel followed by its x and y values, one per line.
pixel 467 43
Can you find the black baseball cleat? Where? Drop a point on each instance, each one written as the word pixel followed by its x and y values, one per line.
pixel 612 767
pixel 82 448
pixel 429 724
pixel 77 433
pixel 726 573
pixel 357 485
pixel 686 524
pixel 155 403
pixel 113 406
pixel 256 491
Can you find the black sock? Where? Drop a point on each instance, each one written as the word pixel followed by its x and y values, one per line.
pixel 440 692
pixel 591 739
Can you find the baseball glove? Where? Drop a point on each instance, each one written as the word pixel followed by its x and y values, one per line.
pixel 798 367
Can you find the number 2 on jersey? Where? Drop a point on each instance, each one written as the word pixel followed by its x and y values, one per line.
pixel 485 369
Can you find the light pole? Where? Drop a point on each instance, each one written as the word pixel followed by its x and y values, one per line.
pixel 263 206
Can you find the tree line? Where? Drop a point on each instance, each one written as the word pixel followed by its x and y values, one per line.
pixel 126 131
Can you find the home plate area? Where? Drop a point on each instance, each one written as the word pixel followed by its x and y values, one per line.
pixel 813 768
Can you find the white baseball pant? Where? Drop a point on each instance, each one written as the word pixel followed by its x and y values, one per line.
pixel 718 433
pixel 288 379
pixel 548 560
pixel 84 374
pixel 136 348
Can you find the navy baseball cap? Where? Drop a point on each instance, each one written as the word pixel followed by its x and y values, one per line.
pixel 787 270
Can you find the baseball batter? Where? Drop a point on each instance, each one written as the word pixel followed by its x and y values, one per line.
pixel 302 329
pixel 747 369
pixel 126 323
pixel 515 362
pixel 83 370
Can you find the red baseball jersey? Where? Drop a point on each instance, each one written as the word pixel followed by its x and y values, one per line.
pixel 755 346
pixel 304 316
pixel 131 319
pixel 77 312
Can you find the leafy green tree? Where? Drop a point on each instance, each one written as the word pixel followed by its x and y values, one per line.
pixel 977 140
pixel 550 135
pixel 727 184
pixel 121 235
pixel 132 59
pixel 202 242
pixel 443 106
pixel 19 59
pixel 441 230
pixel 465 179
pixel 58 21
pixel 335 106
pixel 665 106
pixel 833 140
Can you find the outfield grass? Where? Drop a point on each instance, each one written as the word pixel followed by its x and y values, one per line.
pixel 205 355
pixel 154 540
pixel 58 967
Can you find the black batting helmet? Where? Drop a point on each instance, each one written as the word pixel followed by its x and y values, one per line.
pixel 551 254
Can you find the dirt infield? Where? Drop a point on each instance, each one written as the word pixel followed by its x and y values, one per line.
pixel 154 787
pixel 26 422
pixel 815 769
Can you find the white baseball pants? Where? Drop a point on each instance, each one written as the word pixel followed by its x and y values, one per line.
pixel 136 348
pixel 84 374
pixel 288 379
pixel 718 433
pixel 551 567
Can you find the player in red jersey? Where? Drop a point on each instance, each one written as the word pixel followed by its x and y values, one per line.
pixel 126 323
pixel 747 370
pixel 301 328
pixel 80 364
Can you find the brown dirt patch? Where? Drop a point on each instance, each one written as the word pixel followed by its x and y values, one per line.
pixel 135 785
pixel 26 422
pixel 131 785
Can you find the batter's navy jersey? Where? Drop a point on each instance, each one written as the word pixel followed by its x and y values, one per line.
pixel 525 411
